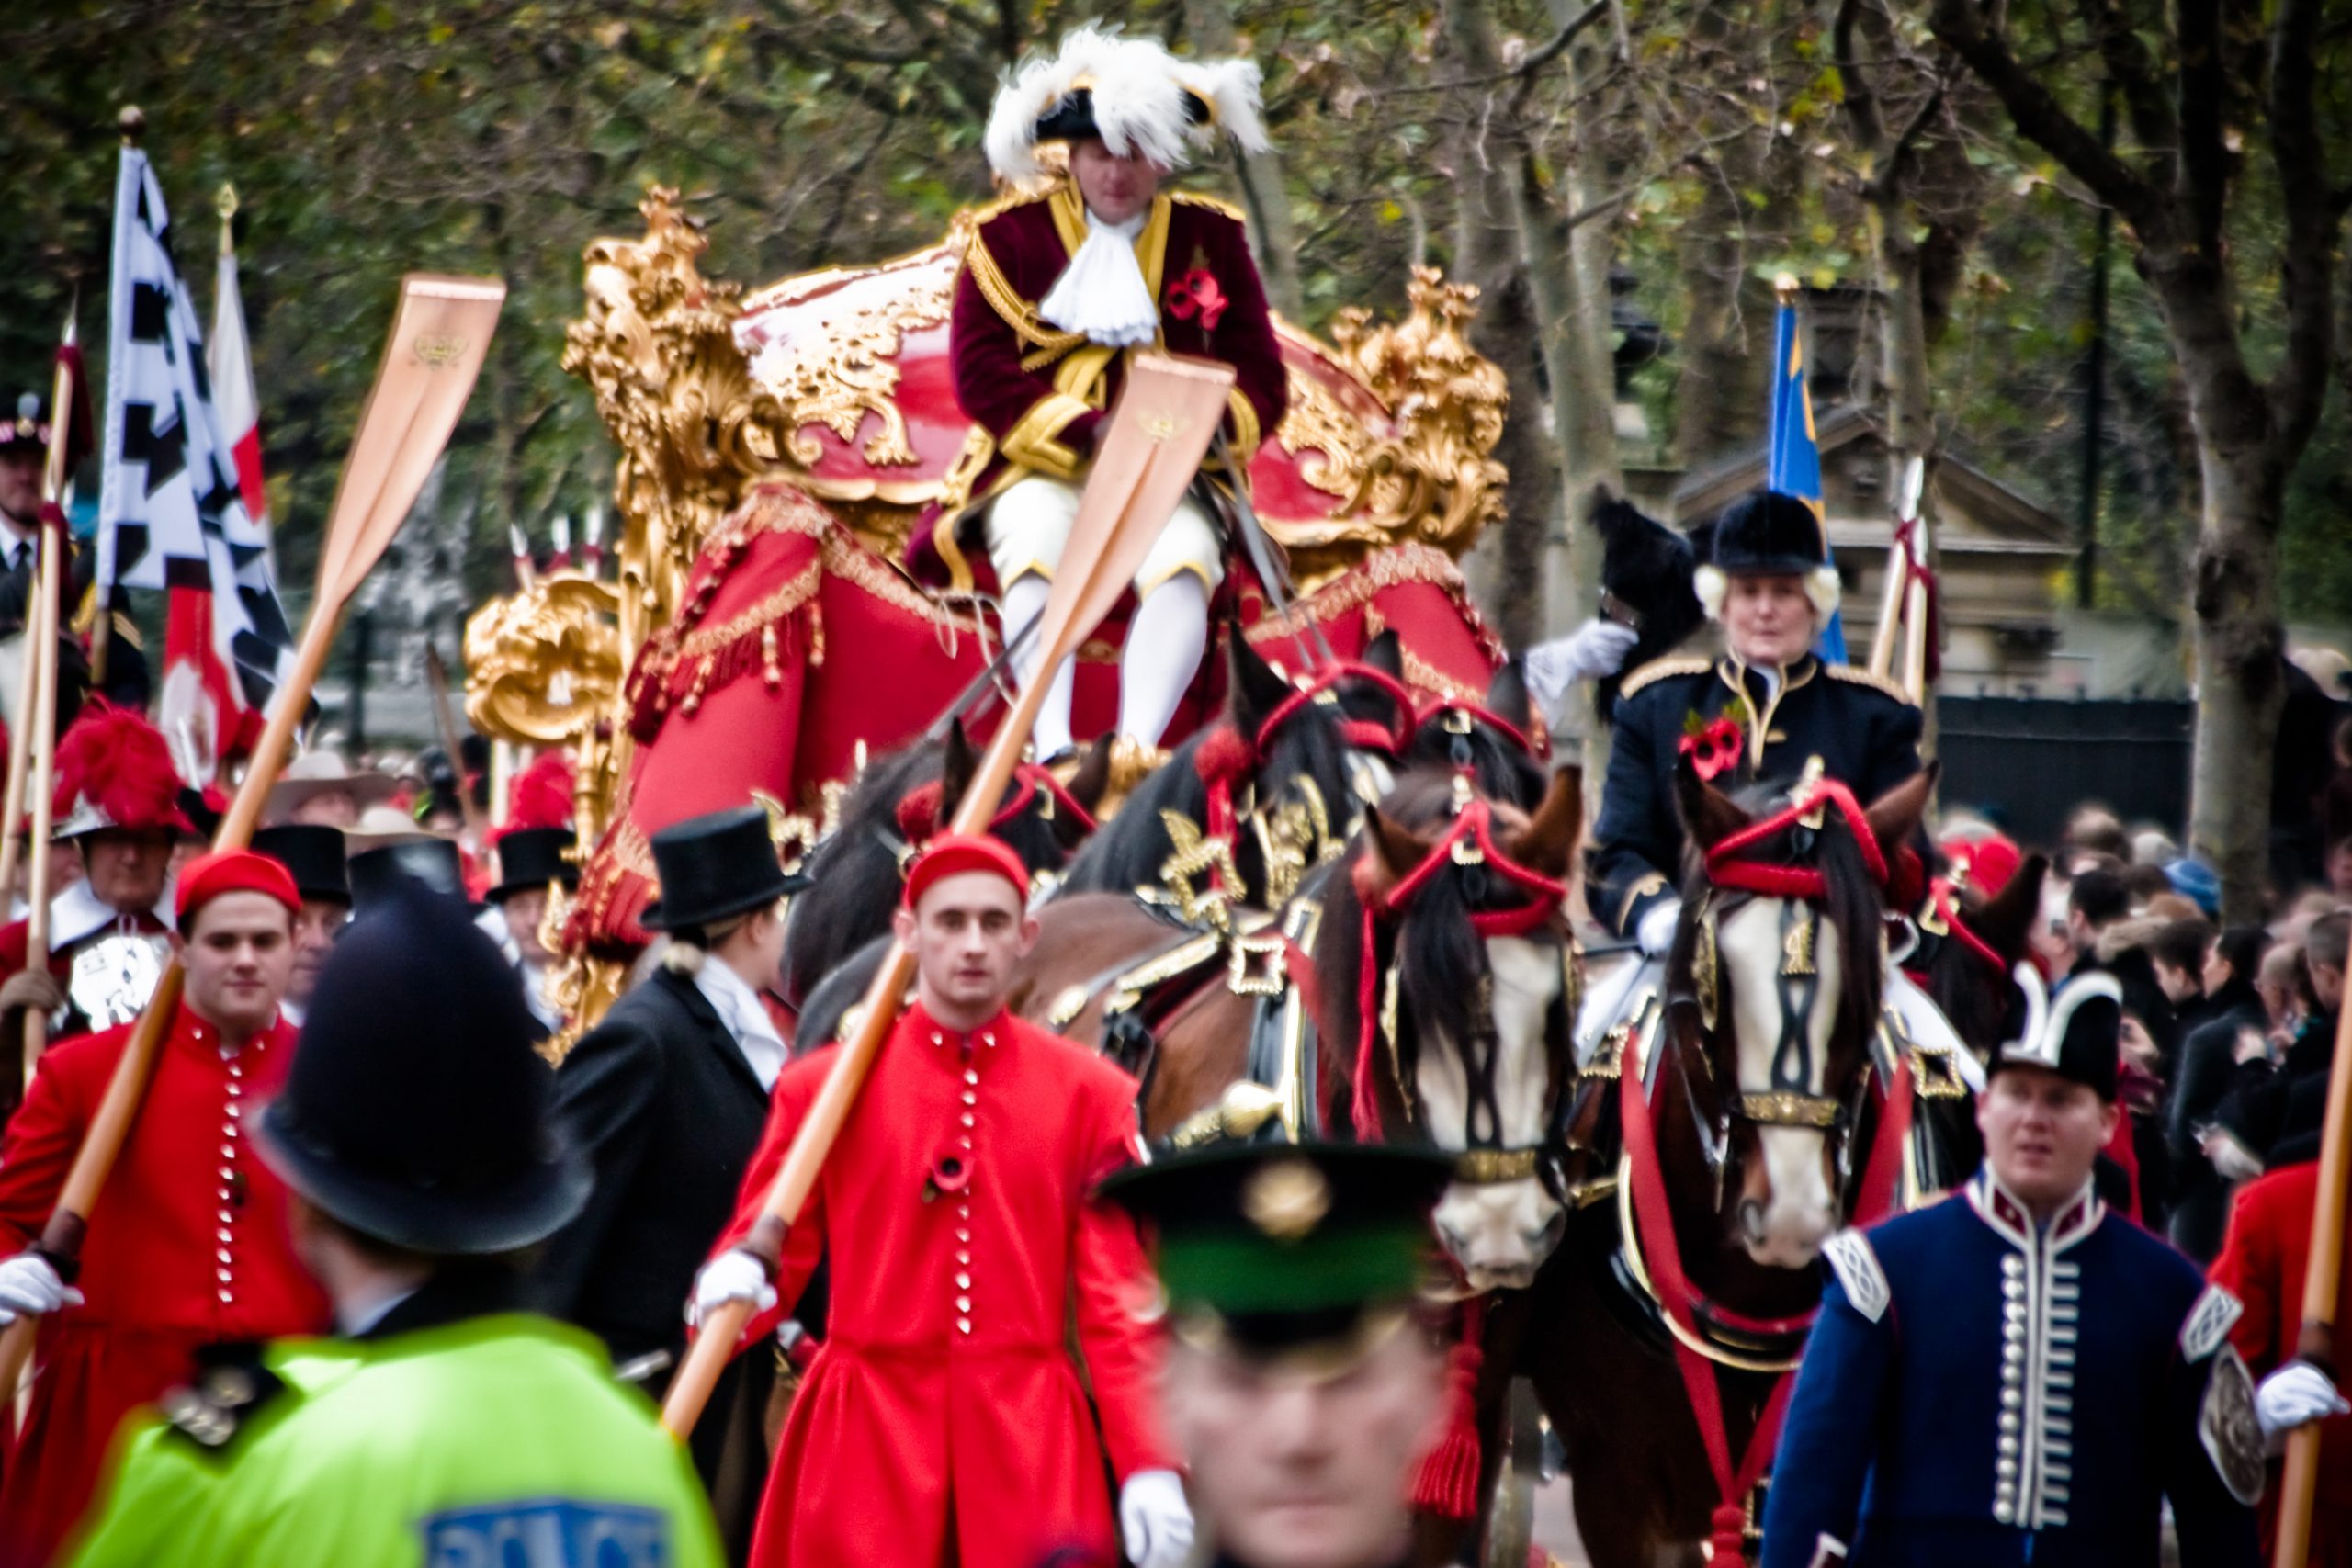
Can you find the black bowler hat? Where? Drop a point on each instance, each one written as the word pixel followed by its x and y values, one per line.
pixel 429 862
pixel 416 1110
pixel 313 852
pixel 1765 531
pixel 713 867
pixel 1306 1252
pixel 2077 1034
pixel 532 857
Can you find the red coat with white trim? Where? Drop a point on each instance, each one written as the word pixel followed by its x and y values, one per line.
pixel 946 1394
pixel 187 1247
pixel 2261 1263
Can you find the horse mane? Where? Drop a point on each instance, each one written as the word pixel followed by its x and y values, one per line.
pixel 1500 767
pixel 1851 902
pixel 1440 955
pixel 1981 1005
pixel 854 875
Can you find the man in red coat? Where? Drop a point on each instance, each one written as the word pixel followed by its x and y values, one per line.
pixel 2261 1263
pixel 187 1243
pixel 944 1420
pixel 1060 283
pixel 117 799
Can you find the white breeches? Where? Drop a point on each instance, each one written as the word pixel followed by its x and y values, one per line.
pixel 1029 522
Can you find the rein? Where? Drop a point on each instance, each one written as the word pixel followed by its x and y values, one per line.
pixel 1946 909
pixel 1727 861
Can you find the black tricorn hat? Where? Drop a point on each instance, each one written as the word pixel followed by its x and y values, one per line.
pixel 378 873
pixel 438 1133
pixel 1766 531
pixel 1072 116
pixel 715 865
pixel 532 857
pixel 1287 1249
pixel 313 852
pixel 25 423
pixel 2076 1033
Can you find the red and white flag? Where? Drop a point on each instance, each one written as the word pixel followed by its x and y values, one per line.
pixel 233 397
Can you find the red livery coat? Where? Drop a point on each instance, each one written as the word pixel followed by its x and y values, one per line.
pixel 187 1245
pixel 945 1394
pixel 2262 1262
pixel 1038 393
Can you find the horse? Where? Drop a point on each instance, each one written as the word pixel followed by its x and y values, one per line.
pixel 1496 741
pixel 897 803
pixel 1758 1106
pixel 1438 980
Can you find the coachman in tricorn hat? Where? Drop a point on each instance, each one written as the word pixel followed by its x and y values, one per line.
pixel 1061 283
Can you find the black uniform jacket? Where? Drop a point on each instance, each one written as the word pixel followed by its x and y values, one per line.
pixel 1863 729
pixel 668 1112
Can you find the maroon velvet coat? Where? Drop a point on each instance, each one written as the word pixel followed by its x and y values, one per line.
pixel 1039 393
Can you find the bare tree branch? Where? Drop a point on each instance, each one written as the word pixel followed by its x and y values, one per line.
pixel 2300 388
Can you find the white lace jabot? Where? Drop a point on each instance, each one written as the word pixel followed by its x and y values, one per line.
pixel 1101 292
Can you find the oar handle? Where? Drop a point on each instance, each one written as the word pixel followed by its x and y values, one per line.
pixel 2321 1271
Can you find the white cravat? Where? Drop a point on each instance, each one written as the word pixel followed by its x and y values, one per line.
pixel 738 1009
pixel 1101 292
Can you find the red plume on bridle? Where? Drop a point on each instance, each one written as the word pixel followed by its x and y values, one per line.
pixel 917 812
pixel 114 769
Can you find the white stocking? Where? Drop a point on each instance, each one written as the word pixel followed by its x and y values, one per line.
pixel 1165 640
pixel 1025 600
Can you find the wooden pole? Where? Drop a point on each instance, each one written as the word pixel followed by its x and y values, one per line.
pixel 436 676
pixel 2321 1276
pixel 439 337
pixel 40 716
pixel 1169 410
pixel 1892 596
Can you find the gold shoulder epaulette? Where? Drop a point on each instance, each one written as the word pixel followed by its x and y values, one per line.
pixel 976 216
pixel 1215 204
pixel 1855 675
pixel 1657 670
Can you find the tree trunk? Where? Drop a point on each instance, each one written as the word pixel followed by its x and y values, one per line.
pixel 1271 234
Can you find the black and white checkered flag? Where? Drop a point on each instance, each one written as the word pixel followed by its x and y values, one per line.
pixel 169 514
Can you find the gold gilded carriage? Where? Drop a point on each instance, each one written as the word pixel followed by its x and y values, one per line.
pixel 835 381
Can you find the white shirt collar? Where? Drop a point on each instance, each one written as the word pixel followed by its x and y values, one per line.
pixel 740 1009
pixel 1102 293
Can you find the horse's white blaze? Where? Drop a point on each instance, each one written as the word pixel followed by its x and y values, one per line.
pixel 1499 1232
pixel 1802 1209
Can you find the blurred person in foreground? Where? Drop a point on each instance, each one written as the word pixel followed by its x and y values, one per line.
pixel 444 1425
pixel 1303 1387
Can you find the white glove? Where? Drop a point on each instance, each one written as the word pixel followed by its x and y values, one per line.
pixel 29 1283
pixel 1154 1519
pixel 1656 931
pixel 1594 650
pixel 733 1276
pixel 2294 1395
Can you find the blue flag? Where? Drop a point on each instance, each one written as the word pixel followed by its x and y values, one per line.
pixel 1794 467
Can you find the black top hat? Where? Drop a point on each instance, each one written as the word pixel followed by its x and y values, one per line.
pixel 1765 531
pixel 532 857
pixel 1072 116
pixel 313 852
pixel 438 1133
pixel 1279 1249
pixel 713 867
pixel 376 873
pixel 2076 1033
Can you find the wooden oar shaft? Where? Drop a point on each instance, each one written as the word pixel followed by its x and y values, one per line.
pixel 2321 1276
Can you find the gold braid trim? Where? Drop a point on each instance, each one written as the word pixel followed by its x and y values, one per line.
pixel 704 641
pixel 1017 313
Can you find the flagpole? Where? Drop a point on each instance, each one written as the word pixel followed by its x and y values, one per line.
pixel 40 718
pixel 133 122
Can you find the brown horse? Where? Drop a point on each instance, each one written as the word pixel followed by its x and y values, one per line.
pixel 1465 1044
pixel 1752 1099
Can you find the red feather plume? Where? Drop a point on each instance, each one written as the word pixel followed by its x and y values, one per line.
pixel 120 762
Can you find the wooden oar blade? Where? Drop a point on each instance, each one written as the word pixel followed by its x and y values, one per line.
pixel 440 335
pixel 1151 448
